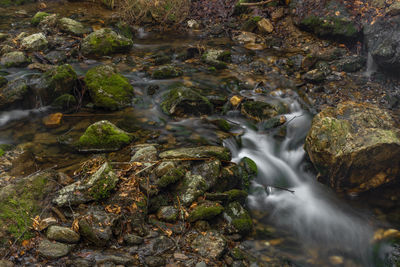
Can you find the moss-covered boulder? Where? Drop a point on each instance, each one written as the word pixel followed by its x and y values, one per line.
pixel 319 18
pixel 171 177
pixel 38 17
pixel 108 89
pixel 238 217
pixel 105 42
pixel 258 110
pixel 95 187
pixel 13 93
pixel 218 152
pixel 354 147
pixel 103 136
pixel 216 58
pixel 181 101
pixel 14 59
pixel 72 27
pixel 22 201
pixel 205 211
pixel 166 72
pixel 65 101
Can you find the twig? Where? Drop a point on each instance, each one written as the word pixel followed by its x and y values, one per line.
pixel 59 214
pixel 295 117
pixel 257 3
pixel 281 188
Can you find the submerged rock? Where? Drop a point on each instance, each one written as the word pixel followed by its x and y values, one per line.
pixel 35 42
pixel 96 187
pixel 103 136
pixel 14 59
pixel 108 89
pixel 354 147
pixel 181 101
pixel 210 245
pixel 72 27
pixel 105 42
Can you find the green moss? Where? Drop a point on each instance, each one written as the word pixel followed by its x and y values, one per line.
pixel 330 26
pixel 60 80
pixel 1 152
pixel 238 254
pixel 105 42
pixel 166 72
pixel 239 218
pixel 39 16
pixel 171 177
pixel 103 135
pixel 249 165
pixel 108 89
pixel 205 212
pixel 103 187
pixel 236 195
pixel 243 225
pixel 64 101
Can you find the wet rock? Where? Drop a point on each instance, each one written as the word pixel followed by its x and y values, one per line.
pixel 154 261
pixel 62 234
pixel 96 187
pixel 103 136
pixel 6 263
pixel 53 250
pixel 38 17
pixel 65 101
pixel 131 239
pixel 265 25
pixel 258 111
pixel 181 101
pixel 354 147
pixel 211 245
pixel 108 89
pixel 238 217
pixel 145 154
pixel 317 18
pixel 205 211
pixel 14 92
pixel 168 214
pixel 14 59
pixel 218 152
pixel 166 72
pixel 72 27
pixel 351 64
pixel 217 58
pixel 382 39
pixel 35 42
pixel 96 226
pixel 105 42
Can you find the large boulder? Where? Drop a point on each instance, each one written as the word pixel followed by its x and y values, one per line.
pixel 383 38
pixel 105 42
pixel 108 89
pixel 326 18
pixel 354 147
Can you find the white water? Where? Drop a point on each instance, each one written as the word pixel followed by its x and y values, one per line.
pixel 312 213
pixel 371 66
pixel 17 114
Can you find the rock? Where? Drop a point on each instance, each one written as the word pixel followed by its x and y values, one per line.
pixel 103 136
pixel 6 263
pixel 191 188
pixel 145 154
pixel 168 214
pixel 96 187
pixel 201 264
pixel 351 64
pixel 193 24
pixel 216 58
pixel 354 147
pixel 166 72
pixel 56 57
pixel 108 89
pixel 55 83
pixel 72 27
pixel 65 101
pixel 6 49
pixel 13 93
pixel 3 36
pixel 218 152
pixel 382 39
pixel 205 211
pixel 154 261
pixel 171 177
pixel 52 120
pixel 62 234
pixel 238 217
pixel 105 42
pixel 39 16
pixel 53 250
pixel 258 111
pixel 96 225
pixel 14 59
pixel 164 167
pixel 314 76
pixel 48 23
pixel 318 18
pixel 265 26
pixel 211 245
pixel 161 245
pixel 131 239
pixel 35 42
pixel 394 9
pixel 181 101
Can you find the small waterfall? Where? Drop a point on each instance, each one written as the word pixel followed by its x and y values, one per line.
pixel 17 114
pixel 312 213
pixel 371 66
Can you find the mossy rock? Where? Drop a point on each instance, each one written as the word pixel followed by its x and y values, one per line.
pixel 65 101
pixel 205 211
pixel 258 111
pixel 39 16
pixel 166 72
pixel 108 89
pixel 216 58
pixel 13 93
pixel 238 217
pixel 190 188
pixel 181 101
pixel 59 81
pixel 330 26
pixel 15 59
pixel 105 42
pixel 22 201
pixel 218 152
pixel 103 136
pixel 1 152
pixel 72 27
pixel 171 177
pixel 251 24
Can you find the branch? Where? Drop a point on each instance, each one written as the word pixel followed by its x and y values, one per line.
pixel 257 3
